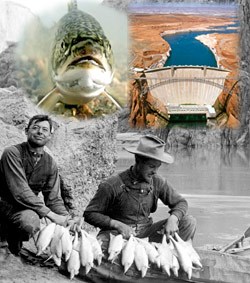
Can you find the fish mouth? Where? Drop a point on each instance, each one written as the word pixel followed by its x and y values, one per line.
pixel 87 59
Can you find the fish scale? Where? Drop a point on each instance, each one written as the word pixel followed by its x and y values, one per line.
pixel 78 24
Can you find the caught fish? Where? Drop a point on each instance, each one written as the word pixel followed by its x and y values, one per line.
pixel 81 60
pixel 175 266
pixel 115 246
pixel 96 248
pixel 153 255
pixel 86 253
pixel 56 245
pixel 196 260
pixel 66 243
pixel 73 264
pixel 44 238
pixel 183 257
pixel 165 256
pixel 141 259
pixel 128 252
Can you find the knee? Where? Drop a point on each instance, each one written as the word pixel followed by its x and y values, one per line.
pixel 187 227
pixel 29 222
pixel 190 221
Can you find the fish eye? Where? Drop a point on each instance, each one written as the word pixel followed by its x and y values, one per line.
pixel 63 45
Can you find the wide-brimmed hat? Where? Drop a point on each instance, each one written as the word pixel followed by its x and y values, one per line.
pixel 152 147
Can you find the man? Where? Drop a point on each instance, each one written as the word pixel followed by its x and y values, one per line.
pixel 25 170
pixel 123 203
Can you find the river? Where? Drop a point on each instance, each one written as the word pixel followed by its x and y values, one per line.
pixel 216 184
pixel 185 49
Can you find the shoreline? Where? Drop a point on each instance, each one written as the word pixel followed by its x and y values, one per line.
pixel 147 31
pixel 211 43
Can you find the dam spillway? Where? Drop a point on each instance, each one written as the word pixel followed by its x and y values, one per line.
pixel 186 89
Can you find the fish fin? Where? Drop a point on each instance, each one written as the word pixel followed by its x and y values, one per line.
pixel 47 258
pixel 48 102
pixel 118 106
pixel 164 239
pixel 72 274
pixel 72 5
pixel 189 273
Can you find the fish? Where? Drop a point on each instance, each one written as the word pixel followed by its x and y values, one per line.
pixel 44 238
pixel 66 243
pixel 115 246
pixel 183 257
pixel 196 260
pixel 73 264
pixel 56 245
pixel 152 253
pixel 86 253
pixel 175 266
pixel 141 259
pixel 165 256
pixel 96 248
pixel 82 61
pixel 128 253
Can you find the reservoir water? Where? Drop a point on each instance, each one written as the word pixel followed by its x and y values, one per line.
pixel 186 50
pixel 203 171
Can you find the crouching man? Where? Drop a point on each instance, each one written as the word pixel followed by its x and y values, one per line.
pixel 123 203
pixel 25 170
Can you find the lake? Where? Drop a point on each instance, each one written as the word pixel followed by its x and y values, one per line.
pixel 186 50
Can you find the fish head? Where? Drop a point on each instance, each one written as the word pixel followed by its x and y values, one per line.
pixel 81 58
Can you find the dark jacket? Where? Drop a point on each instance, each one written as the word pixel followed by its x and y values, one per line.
pixel 124 198
pixel 21 180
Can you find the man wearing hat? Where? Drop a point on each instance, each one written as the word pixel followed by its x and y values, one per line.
pixel 123 203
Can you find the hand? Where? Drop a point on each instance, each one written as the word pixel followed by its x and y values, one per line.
pixel 171 226
pixel 58 219
pixel 122 228
pixel 75 223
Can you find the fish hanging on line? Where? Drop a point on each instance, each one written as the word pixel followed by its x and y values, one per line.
pixel 81 61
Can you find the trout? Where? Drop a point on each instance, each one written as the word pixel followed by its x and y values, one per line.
pixel 128 253
pixel 191 251
pixel 73 264
pixel 183 257
pixel 115 246
pixel 86 253
pixel 141 259
pixel 44 238
pixel 81 60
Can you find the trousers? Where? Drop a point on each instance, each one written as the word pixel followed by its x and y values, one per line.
pixel 187 228
pixel 19 225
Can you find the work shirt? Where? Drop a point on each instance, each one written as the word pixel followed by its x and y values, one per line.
pixel 22 178
pixel 125 198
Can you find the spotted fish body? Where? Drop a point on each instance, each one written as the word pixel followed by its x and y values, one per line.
pixel 81 59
